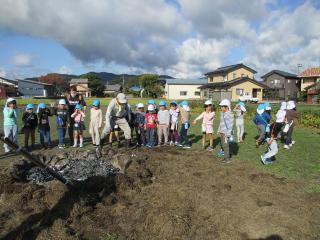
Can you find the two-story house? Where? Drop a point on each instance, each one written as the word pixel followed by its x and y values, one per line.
pixel 309 77
pixel 232 82
pixel 283 85
pixel 82 85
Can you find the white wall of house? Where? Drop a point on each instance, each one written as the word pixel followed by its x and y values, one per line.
pixel 179 91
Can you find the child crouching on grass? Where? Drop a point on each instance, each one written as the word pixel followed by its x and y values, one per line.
pixel 151 124
pixel 79 126
pixel 95 122
pixel 30 123
pixel 225 129
pixel 271 139
pixel 185 125
pixel 163 123
pixel 207 123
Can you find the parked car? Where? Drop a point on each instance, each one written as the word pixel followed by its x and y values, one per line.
pixel 248 98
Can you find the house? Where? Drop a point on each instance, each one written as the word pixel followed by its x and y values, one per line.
pixel 8 88
pixel 232 82
pixel 283 85
pixel 313 93
pixel 309 77
pixel 82 85
pixel 112 89
pixel 183 88
pixel 29 88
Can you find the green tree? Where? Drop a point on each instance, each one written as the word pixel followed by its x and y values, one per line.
pixel 95 84
pixel 152 87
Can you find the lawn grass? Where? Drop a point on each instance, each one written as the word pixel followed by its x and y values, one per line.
pixel 301 162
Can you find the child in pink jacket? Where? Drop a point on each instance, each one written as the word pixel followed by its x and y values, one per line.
pixel 207 123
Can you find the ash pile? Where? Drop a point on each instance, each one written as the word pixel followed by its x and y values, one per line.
pixel 74 166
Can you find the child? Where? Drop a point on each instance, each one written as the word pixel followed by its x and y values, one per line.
pixel 62 121
pixel 185 118
pixel 267 108
pixel 225 129
pixel 207 123
pixel 44 126
pixel 174 116
pixel 272 141
pixel 10 126
pixel 151 119
pixel 291 116
pixel 239 112
pixel 163 123
pixel 78 117
pixel 280 116
pixel 30 122
pixel 140 125
pixel 95 122
pixel 115 131
pixel 262 120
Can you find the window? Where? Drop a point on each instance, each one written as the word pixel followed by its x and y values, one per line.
pixel 183 93
pixel 271 82
pixel 234 75
pixel 242 74
pixel 276 81
pixel 239 91
pixel 205 93
pixel 210 79
pixel 197 93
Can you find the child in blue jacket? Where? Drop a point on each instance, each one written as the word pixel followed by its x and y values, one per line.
pixel 261 120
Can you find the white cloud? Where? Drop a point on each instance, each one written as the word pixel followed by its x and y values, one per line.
pixel 3 73
pixel 64 70
pixel 22 59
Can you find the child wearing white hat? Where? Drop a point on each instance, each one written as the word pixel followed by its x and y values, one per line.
pixel 140 123
pixel 10 126
pixel 239 112
pixel 151 125
pixel 225 129
pixel 291 116
pixel 207 123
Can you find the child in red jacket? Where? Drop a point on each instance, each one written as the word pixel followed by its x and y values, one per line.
pixel 151 124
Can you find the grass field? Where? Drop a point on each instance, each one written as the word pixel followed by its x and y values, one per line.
pixel 300 163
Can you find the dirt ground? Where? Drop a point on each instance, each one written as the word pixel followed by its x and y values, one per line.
pixel 166 193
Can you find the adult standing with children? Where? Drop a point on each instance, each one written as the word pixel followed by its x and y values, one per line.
pixel 73 99
pixel 118 113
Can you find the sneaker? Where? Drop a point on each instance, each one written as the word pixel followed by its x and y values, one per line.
pixel 210 149
pixel 176 143
pixel 226 161
pixel 203 147
pixel 60 147
pixel 81 145
pixel 293 142
pixel 186 146
pixel 171 143
pixel 268 161
pixel 290 145
pixel 74 145
pixel 179 145
pixel 263 160
pixel 286 147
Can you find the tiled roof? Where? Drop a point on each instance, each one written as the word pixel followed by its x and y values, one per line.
pixel 227 69
pixel 311 72
pixel 281 73
pixel 181 81
pixel 79 81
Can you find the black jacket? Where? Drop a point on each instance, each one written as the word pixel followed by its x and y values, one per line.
pixel 29 120
pixel 43 117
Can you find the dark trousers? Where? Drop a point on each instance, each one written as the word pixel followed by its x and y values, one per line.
pixel 141 135
pixel 151 136
pixel 70 133
pixel 29 133
pixel 61 135
pixel 289 135
pixel 45 133
pixel 184 135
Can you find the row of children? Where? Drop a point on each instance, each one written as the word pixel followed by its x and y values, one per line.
pixel 282 127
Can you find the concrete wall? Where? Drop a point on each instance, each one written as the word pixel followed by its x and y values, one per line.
pixel 173 91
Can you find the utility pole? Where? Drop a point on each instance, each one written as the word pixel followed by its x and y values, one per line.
pixel 299 66
pixel 123 83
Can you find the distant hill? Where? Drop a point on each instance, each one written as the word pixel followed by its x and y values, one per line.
pixel 106 78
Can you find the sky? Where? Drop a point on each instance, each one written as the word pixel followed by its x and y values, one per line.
pixel 181 38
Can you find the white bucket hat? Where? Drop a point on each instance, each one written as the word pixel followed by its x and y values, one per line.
pixel 291 105
pixel 122 98
pixel 283 106
pixel 280 116
pixel 225 102
pixel 140 105
pixel 62 102
pixel 208 102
